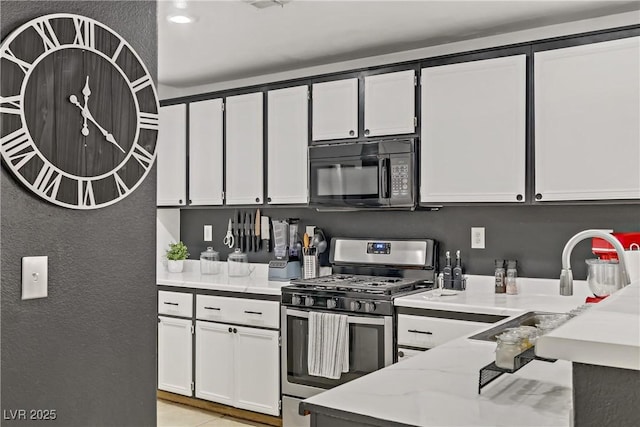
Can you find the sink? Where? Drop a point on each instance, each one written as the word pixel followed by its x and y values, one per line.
pixel 527 319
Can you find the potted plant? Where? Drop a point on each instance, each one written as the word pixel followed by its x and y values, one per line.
pixel 176 255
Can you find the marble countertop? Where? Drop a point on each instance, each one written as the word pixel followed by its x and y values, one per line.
pixel 440 388
pixel 479 297
pixel 257 282
pixel 608 334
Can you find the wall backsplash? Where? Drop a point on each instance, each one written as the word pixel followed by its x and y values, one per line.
pixel 534 235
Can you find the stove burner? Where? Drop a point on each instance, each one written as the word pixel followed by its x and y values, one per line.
pixel 356 283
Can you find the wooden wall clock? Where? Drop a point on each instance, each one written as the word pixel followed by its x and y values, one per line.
pixel 78 111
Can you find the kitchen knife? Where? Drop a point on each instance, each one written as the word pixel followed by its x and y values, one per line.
pixel 264 233
pixel 246 232
pixel 250 225
pixel 235 229
pixel 241 231
pixel 257 231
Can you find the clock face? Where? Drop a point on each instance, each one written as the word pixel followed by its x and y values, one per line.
pixel 78 111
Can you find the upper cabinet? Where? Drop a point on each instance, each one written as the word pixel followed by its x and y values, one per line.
pixel 205 152
pixel 335 110
pixel 287 142
pixel 171 156
pixel 473 140
pixel 244 157
pixel 389 103
pixel 587 121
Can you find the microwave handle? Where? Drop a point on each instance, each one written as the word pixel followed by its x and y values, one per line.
pixel 383 166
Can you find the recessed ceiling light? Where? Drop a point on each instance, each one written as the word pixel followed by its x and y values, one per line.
pixel 181 19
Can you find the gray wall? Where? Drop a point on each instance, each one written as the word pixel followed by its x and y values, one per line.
pixel 534 235
pixel 89 349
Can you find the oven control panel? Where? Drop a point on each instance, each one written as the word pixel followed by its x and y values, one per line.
pixel 382 248
pixel 338 303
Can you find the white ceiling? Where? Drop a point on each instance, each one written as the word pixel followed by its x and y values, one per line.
pixel 233 40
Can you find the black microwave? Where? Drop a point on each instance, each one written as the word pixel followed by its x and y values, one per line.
pixel 372 174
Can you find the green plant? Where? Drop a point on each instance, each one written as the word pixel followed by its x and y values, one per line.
pixel 177 251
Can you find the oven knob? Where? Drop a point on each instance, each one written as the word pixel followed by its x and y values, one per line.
pixel 295 300
pixel 355 306
pixel 331 303
pixel 369 307
pixel 309 301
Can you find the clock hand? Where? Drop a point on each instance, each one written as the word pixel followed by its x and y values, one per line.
pixel 87 114
pixel 86 92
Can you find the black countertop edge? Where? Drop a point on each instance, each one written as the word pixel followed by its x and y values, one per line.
pixel 233 294
pixel 359 419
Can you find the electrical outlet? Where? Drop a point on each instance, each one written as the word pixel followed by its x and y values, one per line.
pixel 477 237
pixel 208 233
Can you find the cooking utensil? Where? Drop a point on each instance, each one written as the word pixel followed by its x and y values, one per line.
pixel 228 239
pixel 247 232
pixel 265 233
pixel 319 241
pixel 240 237
pixel 305 240
pixel 257 230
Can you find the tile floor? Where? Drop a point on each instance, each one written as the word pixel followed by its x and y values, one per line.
pixel 176 415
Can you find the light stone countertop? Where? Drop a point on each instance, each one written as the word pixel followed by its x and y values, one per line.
pixel 608 334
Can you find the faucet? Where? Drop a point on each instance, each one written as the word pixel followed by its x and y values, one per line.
pixel 566 276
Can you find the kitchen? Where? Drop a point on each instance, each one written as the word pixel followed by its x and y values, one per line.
pixel 526 230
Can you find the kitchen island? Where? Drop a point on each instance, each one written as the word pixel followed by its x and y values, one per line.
pixel 439 387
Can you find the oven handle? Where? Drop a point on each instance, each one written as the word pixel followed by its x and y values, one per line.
pixel 361 320
pixel 383 171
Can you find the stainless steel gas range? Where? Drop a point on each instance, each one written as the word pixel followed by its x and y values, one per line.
pixel 367 275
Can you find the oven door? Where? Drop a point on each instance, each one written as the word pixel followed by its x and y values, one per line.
pixel 349 181
pixel 370 349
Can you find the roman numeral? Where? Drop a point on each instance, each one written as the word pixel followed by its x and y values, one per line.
pixel 48 181
pixel 117 51
pixel 14 103
pixel 149 120
pixel 120 185
pixel 49 38
pixel 142 156
pixel 24 65
pixel 141 83
pixel 17 148
pixel 85 193
pixel 85 32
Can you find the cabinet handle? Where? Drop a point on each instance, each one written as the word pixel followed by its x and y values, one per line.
pixel 253 312
pixel 351 133
pixel 366 132
pixel 269 199
pixel 180 201
pixel 235 331
pixel 171 303
pixel 519 197
pixel 230 329
pixel 538 196
pixel 190 201
pixel 212 308
pixel 257 199
pixel 420 332
pixel 401 354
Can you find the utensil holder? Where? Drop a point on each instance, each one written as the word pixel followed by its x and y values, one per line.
pixel 311 266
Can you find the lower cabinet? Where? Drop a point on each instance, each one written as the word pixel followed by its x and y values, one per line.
pixel 238 366
pixel 175 355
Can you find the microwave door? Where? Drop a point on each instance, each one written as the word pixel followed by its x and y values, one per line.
pixel 346 182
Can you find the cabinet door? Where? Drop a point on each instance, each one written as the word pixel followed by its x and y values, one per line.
pixel 335 110
pixel 215 362
pixel 172 156
pixel 587 121
pixel 244 149
pixel 205 152
pixel 473 131
pixel 390 103
pixel 287 143
pixel 257 370
pixel 174 355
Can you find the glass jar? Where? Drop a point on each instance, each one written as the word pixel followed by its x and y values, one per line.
pixel 238 264
pixel 209 261
pixel 509 345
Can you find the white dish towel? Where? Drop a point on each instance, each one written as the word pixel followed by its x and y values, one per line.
pixel 328 346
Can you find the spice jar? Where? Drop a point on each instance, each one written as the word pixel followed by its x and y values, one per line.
pixel 509 345
pixel 209 261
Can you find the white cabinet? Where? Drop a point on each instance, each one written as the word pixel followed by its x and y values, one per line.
pixel 244 152
pixel 174 355
pixel 587 121
pixel 429 332
pixel 287 144
pixel 473 138
pixel 205 152
pixel 171 156
pixel 215 362
pixel 335 110
pixel 389 103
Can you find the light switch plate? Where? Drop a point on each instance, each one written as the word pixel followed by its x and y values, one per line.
pixel 208 233
pixel 34 277
pixel 477 237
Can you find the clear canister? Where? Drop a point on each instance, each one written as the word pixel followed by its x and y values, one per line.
pixel 509 345
pixel 209 261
